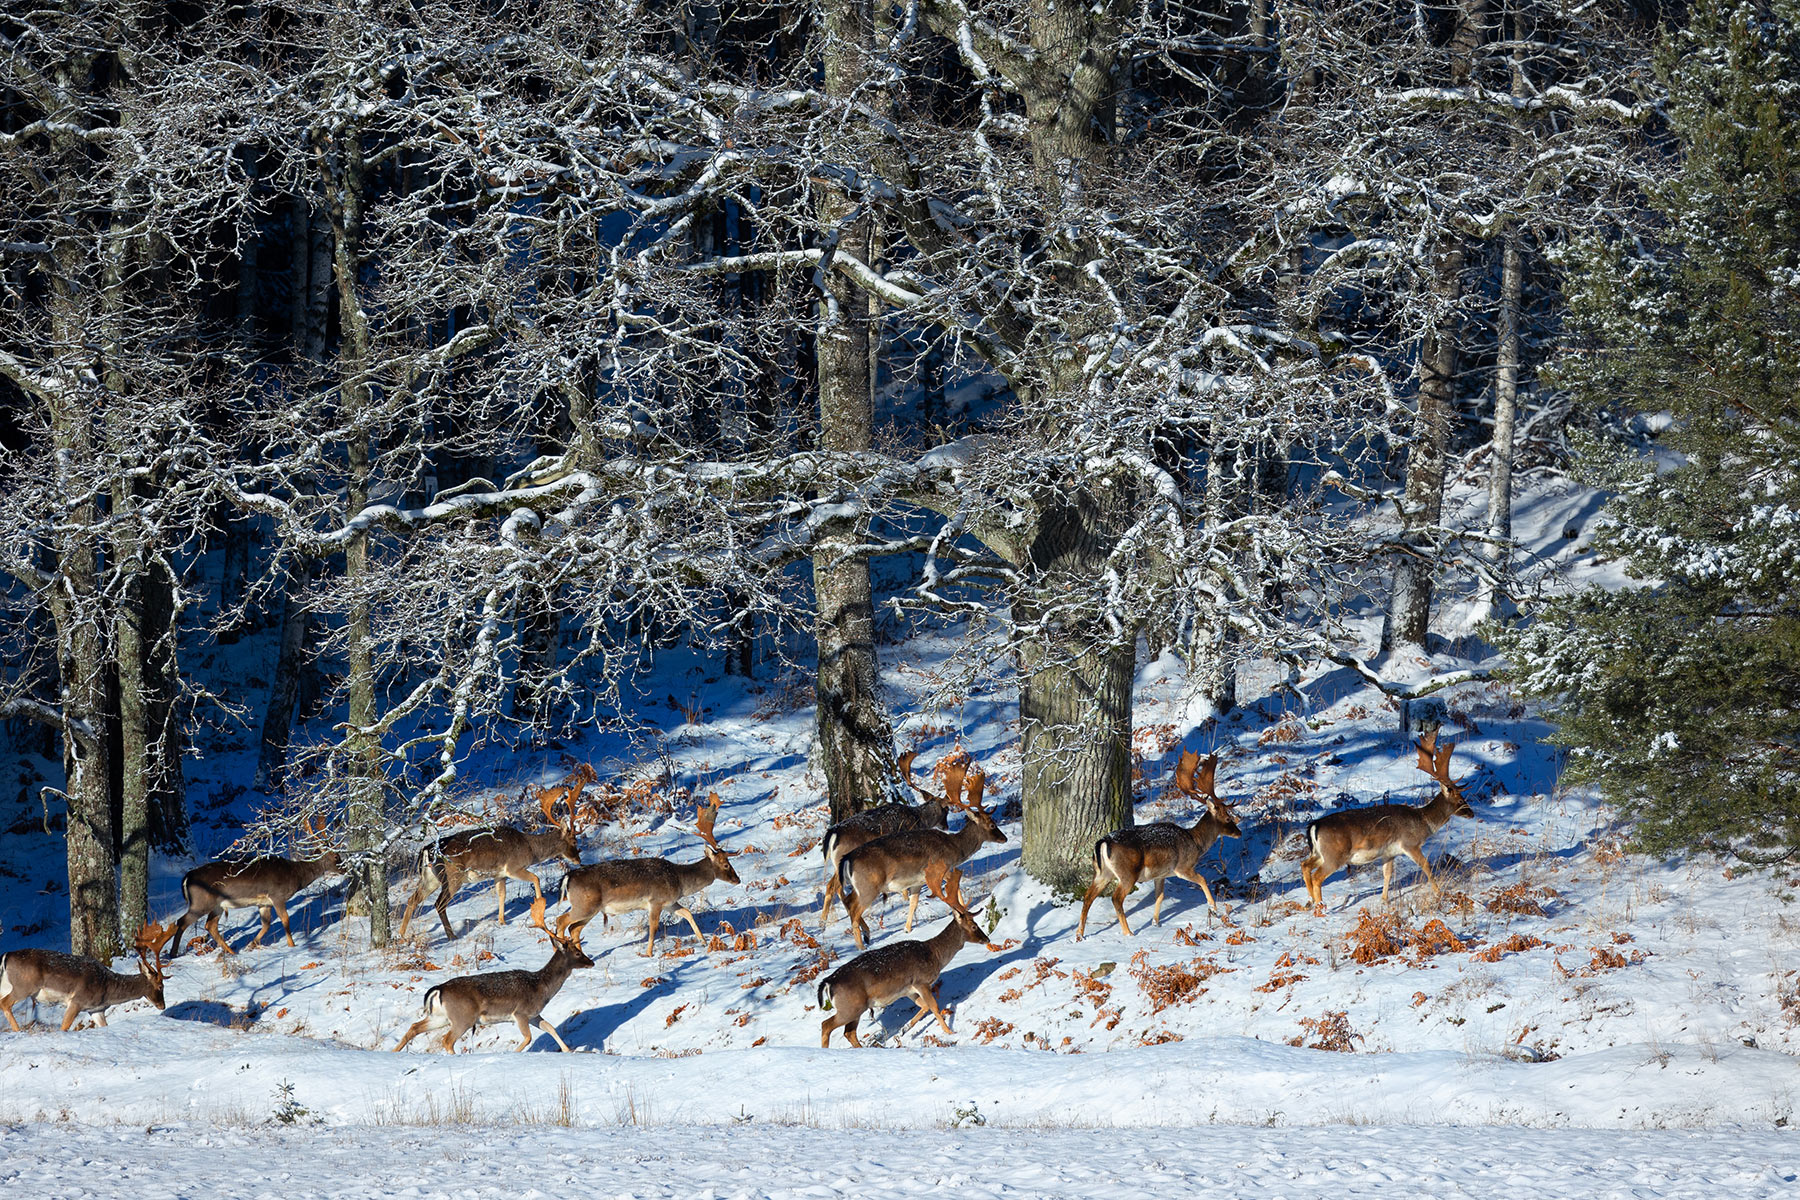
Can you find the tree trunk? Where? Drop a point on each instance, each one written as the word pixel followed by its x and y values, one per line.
pixel 137 746
pixel 1409 607
pixel 1495 601
pixel 1074 700
pixel 856 739
pixel 1075 729
pixel 366 817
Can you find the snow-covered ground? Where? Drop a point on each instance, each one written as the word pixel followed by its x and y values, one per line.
pixel 1560 988
pixel 969 1164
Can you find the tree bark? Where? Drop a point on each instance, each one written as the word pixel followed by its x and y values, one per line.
pixel 1409 607
pixel 1074 702
pixel 1506 412
pixel 347 177
pixel 1075 729
pixel 856 738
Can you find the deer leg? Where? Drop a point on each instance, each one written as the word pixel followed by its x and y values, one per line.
pixel 422 1025
pixel 412 906
pixel 6 1004
pixel 447 889
pixel 1387 877
pixel 262 910
pixel 100 1019
pixel 173 946
pixel 831 890
pixel 500 892
pixel 1087 902
pixel 1196 877
pixel 537 890
pixel 524 1032
pixel 850 1032
pixel 681 911
pixel 450 1036
pixel 212 927
pixel 912 906
pixel 282 912
pixel 859 928
pixel 927 998
pixel 1418 856
pixel 69 1015
pixel 1121 890
pixel 1156 913
pixel 550 1029
pixel 655 920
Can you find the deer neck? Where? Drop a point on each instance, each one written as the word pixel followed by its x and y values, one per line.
pixel 120 988
pixel 545 844
pixel 968 839
pixel 553 974
pixel 697 875
pixel 312 869
pixel 946 942
pixel 1437 814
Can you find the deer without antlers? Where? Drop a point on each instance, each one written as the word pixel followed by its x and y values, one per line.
pixel 458 1005
pixel 81 984
pixel 501 853
pixel 1385 831
pixel 267 884
pixel 623 885
pixel 1145 853
pixel 903 862
pixel 906 968
pixel 879 821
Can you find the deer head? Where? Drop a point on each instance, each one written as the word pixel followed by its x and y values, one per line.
pixel 704 817
pixel 1434 760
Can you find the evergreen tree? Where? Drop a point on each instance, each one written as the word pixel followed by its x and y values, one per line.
pixel 1681 699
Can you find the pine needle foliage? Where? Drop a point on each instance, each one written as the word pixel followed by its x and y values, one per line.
pixel 1680 699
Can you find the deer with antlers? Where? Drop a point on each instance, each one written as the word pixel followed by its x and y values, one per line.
pixel 459 1005
pixel 902 862
pixel 864 827
pixel 623 885
pixel 1138 854
pixel 81 984
pixel 1385 831
pixel 267 884
pixel 501 853
pixel 878 977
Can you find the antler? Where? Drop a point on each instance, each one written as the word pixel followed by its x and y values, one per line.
pixel 1184 771
pixel 1434 760
pixel 976 785
pixel 947 887
pixel 537 915
pixel 547 798
pixel 149 944
pixel 704 816
pixel 953 768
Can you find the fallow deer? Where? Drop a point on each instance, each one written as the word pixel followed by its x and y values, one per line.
pixel 267 884
pixel 458 1005
pixel 864 827
pixel 906 968
pixel 81 984
pixel 1144 853
pixel 501 853
pixel 623 885
pixel 902 862
pixel 1385 831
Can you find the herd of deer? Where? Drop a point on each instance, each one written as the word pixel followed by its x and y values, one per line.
pixel 890 848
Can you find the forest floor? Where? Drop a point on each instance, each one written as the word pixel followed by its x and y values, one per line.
pixel 1559 994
